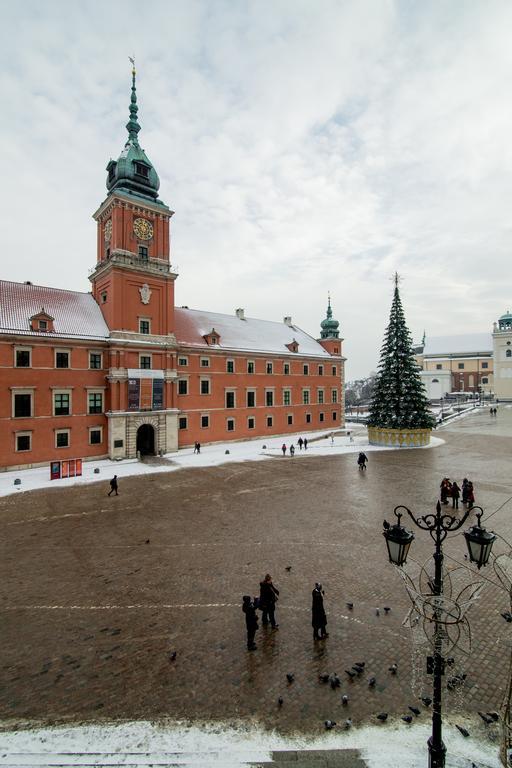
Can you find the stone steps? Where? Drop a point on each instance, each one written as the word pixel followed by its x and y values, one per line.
pixel 347 758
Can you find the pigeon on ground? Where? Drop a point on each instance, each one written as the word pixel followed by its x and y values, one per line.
pixel 495 716
pixel 464 732
pixel 280 701
pixel 450 661
pixel 348 723
pixel 147 541
pixel 350 606
pixel 377 612
pixel 383 716
pixel 426 700
pixel 393 668
pixel 407 718
pixel 324 678
pixel 335 681
pixel 358 670
pixel 288 568
pixel 386 609
pixel 329 725
pixel 344 699
pixel 372 681
pixel 173 655
pixel 415 710
pixel 487 720
pixel 359 663
pixel 507 616
pixel 386 525
pixel 350 673
pixel 290 677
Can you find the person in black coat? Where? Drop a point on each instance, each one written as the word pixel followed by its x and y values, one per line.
pixel 268 598
pixel 113 486
pixel 318 619
pixel 251 620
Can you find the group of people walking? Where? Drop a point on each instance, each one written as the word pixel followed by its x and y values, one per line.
pixel 300 442
pixel 493 411
pixel 266 603
pixel 452 491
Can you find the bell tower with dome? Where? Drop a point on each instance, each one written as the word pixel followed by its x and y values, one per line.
pixel 133 281
pixel 502 353
pixel 330 335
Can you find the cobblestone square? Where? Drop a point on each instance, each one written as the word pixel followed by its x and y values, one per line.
pixel 97 592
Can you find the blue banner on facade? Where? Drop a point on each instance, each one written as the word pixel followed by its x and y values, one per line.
pixel 158 394
pixel 133 394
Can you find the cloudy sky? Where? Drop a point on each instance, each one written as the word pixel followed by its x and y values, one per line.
pixel 306 146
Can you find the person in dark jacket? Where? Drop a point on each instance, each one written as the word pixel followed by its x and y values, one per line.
pixel 251 620
pixel 318 617
pixel 268 598
pixel 113 486
pixel 465 488
pixel 361 460
pixel 455 492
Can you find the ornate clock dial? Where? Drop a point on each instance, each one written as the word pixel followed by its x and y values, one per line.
pixel 143 229
pixel 107 230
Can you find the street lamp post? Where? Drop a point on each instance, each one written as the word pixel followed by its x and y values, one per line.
pixel 399 540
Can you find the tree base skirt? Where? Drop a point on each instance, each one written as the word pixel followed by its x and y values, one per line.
pixel 398 438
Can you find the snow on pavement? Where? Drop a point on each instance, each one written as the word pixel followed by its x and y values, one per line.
pixel 383 746
pixel 259 449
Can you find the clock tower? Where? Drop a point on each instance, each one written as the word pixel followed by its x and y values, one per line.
pixel 133 284
pixel 133 281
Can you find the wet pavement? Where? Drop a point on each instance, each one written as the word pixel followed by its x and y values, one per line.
pixel 96 592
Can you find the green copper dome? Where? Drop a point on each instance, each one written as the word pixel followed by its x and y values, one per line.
pixel 329 326
pixel 133 172
pixel 505 321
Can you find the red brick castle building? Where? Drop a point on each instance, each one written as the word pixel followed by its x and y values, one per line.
pixel 121 369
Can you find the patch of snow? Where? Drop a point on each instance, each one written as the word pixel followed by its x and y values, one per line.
pixel 211 456
pixel 383 746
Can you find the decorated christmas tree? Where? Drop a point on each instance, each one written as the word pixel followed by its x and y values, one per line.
pixel 399 400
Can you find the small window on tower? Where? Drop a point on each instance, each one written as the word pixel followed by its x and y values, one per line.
pixel 142 170
pixel 143 252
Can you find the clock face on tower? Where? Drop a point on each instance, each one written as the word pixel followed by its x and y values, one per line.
pixel 143 229
pixel 107 230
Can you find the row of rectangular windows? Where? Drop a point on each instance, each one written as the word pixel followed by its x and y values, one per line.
pixel 251 366
pixel 439 366
pixel 23 359
pixel 23 440
pixel 23 404
pixel 251 421
pixel 230 397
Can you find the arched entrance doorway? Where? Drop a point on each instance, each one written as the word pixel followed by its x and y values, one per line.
pixel 146 440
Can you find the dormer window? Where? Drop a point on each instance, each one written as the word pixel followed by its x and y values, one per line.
pixel 293 346
pixel 42 322
pixel 212 337
pixel 142 170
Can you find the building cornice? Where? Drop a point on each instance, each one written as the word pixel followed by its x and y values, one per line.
pixel 139 206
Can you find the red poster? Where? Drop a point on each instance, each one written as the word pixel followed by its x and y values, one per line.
pixel 55 470
pixel 78 467
pixel 65 468
pixel 146 394
pixel 72 465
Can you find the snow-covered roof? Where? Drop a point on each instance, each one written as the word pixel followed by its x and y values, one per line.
pixel 469 343
pixel 74 314
pixel 248 334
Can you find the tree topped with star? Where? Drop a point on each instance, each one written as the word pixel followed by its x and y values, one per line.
pixel 399 399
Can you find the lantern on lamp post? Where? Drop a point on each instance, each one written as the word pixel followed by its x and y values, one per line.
pixel 398 541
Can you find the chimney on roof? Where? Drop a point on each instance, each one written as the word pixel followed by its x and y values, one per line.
pixel 287 321
pixel 240 313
